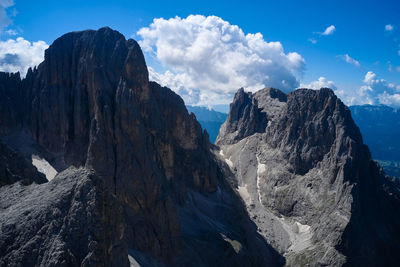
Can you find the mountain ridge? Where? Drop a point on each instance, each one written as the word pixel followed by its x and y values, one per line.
pixel 89 105
pixel 309 181
pixel 288 182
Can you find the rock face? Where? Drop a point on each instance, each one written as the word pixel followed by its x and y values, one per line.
pixel 244 118
pixel 308 181
pixel 69 221
pixel 155 194
pixel 14 168
pixel 11 102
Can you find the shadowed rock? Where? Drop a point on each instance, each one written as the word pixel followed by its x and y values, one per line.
pixel 245 118
pixel 70 221
pixel 14 168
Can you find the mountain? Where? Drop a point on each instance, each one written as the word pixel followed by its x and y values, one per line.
pixel 125 176
pixel 209 119
pixel 136 181
pixel 380 127
pixel 308 180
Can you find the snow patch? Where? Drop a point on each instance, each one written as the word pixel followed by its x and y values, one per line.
pixel 244 193
pixel 132 261
pixel 302 228
pixel 260 169
pixel 229 162
pixel 300 234
pixel 44 167
pixel 237 246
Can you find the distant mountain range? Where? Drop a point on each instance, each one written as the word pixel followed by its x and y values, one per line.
pixel 209 119
pixel 380 128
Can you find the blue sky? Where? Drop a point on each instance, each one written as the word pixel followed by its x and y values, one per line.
pixel 359 33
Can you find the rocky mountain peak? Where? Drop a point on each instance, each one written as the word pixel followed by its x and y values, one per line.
pixel 140 183
pixel 244 119
pixel 307 178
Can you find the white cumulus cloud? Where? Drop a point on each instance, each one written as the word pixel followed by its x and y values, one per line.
pixel 374 91
pixel 389 27
pixel 351 60
pixel 322 82
pixel 378 91
pixel 206 59
pixel 329 30
pixel 20 54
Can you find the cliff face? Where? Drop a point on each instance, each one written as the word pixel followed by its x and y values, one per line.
pixel 14 168
pixel 309 182
pixel 11 102
pixel 90 106
pixel 244 118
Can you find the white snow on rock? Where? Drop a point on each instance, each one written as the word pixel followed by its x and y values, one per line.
pixel 228 161
pixel 44 167
pixel 244 194
pixel 260 169
pixel 132 261
pixel 302 228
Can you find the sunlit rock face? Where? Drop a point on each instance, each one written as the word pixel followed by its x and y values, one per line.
pixel 135 174
pixel 308 180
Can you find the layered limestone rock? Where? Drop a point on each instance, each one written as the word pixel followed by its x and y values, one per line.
pixel 90 105
pixel 308 181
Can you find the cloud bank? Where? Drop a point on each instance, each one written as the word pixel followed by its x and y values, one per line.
pixel 374 91
pixel 20 54
pixel 378 91
pixel 322 82
pixel 206 59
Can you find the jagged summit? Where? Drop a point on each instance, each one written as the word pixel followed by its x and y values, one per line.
pixel 309 181
pixel 141 185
